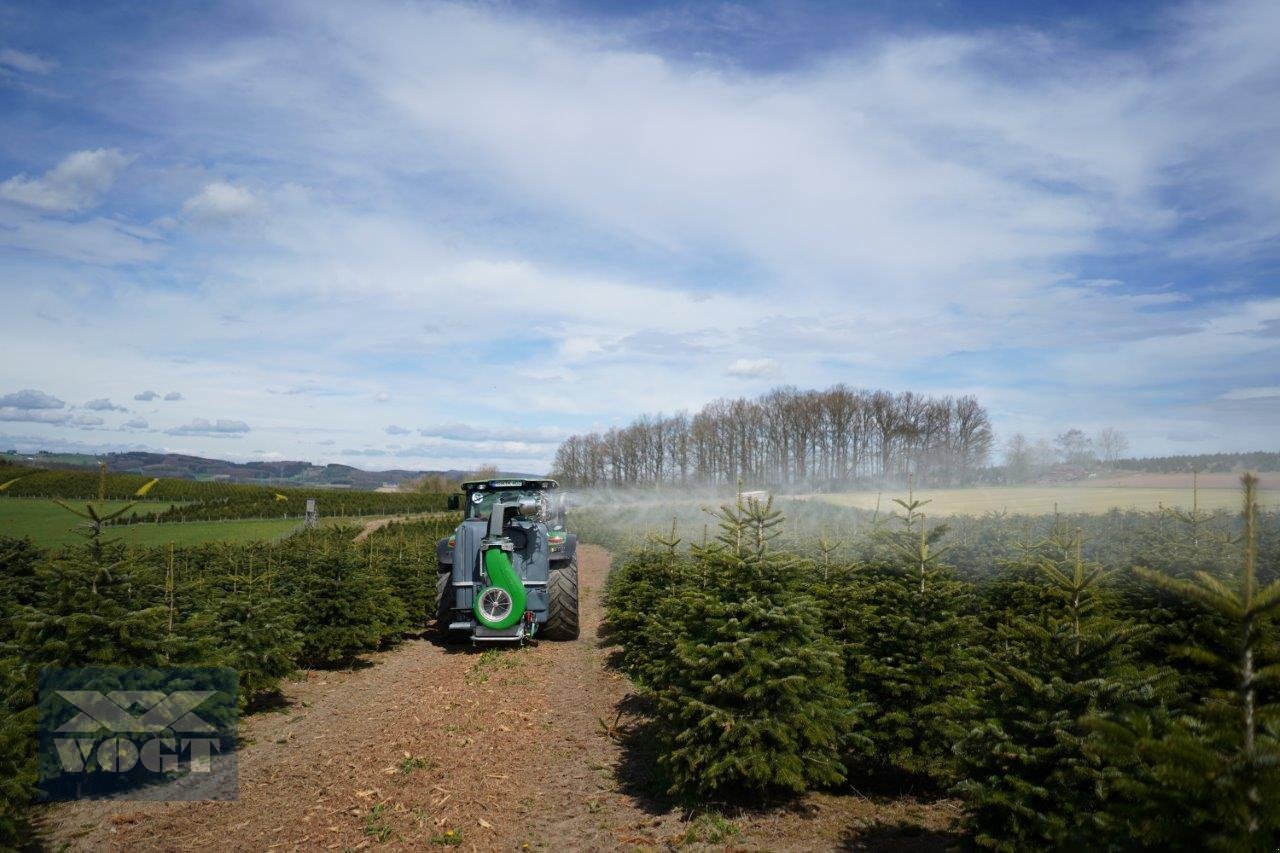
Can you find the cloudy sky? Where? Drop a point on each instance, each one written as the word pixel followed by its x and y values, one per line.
pixel 412 234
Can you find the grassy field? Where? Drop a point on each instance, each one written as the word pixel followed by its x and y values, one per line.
pixel 1039 500
pixel 49 525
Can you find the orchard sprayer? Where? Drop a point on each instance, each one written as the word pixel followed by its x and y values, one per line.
pixel 509 572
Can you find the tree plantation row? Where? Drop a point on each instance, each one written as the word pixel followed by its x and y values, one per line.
pixel 1069 703
pixel 166 500
pixel 317 599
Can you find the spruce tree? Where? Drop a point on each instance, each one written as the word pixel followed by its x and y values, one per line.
pixel 336 607
pixel 1208 777
pixel 635 595
pixel 912 650
pixel 751 697
pixel 251 631
pixel 1025 778
pixel 411 573
pixel 85 614
pixel 18 560
pixel 17 753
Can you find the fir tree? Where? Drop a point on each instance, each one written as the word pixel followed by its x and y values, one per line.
pixel 17 753
pixel 85 614
pixel 251 631
pixel 751 697
pixel 336 605
pixel 1025 778
pixel 18 560
pixel 1209 777
pixel 635 595
pixel 411 575
pixel 911 646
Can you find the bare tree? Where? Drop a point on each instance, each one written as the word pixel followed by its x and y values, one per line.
pixel 788 437
pixel 1019 458
pixel 1076 447
pixel 1111 444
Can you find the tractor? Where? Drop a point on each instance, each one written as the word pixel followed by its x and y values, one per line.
pixel 509 571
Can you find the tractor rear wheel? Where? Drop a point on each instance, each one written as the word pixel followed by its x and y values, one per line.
pixel 562 612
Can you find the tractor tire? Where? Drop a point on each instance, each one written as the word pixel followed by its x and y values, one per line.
pixel 562 613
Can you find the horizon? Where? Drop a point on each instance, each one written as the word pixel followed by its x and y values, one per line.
pixel 438 235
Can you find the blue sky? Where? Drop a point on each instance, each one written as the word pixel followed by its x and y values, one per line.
pixel 434 235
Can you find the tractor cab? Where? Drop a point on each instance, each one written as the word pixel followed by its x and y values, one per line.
pixel 479 497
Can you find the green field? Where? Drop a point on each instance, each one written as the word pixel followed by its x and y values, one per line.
pixel 1041 500
pixel 50 525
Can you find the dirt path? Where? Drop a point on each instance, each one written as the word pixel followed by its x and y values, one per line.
pixel 377 524
pixel 499 750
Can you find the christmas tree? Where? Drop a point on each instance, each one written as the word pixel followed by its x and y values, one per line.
pixel 751 697
pixel 251 631
pixel 1208 777
pixel 337 606
pixel 1025 777
pixel 911 647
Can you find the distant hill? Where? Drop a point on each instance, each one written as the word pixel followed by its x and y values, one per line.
pixel 181 466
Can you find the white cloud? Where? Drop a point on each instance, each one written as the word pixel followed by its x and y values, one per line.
pixel 97 240
pixel 1252 393
pixel 752 368
pixel 221 201
pixel 85 421
pixel 471 432
pixel 146 396
pixel 220 427
pixel 172 396
pixel 38 416
pixel 135 423
pixel 74 184
pixel 397 430
pixel 20 60
pixel 104 404
pixel 31 399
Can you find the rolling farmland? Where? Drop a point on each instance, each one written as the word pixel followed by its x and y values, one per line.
pixel 49 525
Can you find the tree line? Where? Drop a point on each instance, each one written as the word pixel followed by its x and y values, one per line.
pixel 789 437
pixel 1205 463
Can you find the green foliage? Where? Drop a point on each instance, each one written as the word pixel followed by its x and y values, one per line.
pixel 1208 777
pixel 1070 703
pixel 911 654
pixel 634 598
pixel 253 633
pixel 85 615
pixel 18 560
pixel 340 607
pixel 17 749
pixel 911 641
pixel 1024 773
pixel 750 697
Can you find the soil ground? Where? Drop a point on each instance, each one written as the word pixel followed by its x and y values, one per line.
pixel 506 749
